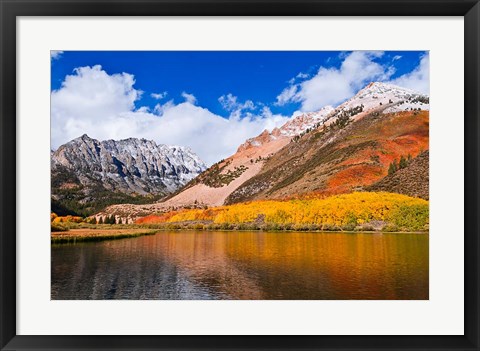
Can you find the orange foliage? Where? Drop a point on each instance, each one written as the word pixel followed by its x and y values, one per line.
pixel 152 219
pixel 356 175
pixel 186 215
pixel 405 133
pixel 66 219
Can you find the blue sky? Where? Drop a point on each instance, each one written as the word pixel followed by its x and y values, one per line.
pixel 188 98
pixel 249 75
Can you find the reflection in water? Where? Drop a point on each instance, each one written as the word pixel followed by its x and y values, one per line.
pixel 244 265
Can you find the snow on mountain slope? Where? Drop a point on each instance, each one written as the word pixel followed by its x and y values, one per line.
pixel 293 127
pixel 389 97
pixel 304 121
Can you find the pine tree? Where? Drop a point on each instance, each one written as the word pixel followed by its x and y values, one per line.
pixel 391 169
pixel 100 221
pixel 403 162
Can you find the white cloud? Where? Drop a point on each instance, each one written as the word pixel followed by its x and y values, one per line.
pixel 143 109
pixel 103 106
pixel 161 109
pixel 298 77
pixel 158 96
pixel 55 54
pixel 230 103
pixel 331 86
pixel 396 57
pixel 418 79
pixel 189 98
pixel 273 120
pixel 91 93
pixel 287 95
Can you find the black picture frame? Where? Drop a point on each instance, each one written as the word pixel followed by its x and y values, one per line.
pixel 10 10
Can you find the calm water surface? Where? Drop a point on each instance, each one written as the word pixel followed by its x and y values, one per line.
pixel 244 265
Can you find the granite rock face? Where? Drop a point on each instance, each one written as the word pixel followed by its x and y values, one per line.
pixel 87 174
pixel 131 166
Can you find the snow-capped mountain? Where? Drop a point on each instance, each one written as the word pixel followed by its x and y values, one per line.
pixel 131 166
pixel 388 97
pixel 376 96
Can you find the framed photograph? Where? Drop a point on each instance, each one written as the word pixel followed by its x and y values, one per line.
pixel 219 175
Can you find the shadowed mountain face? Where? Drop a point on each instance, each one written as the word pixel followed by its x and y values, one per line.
pixel 87 171
pixel 412 180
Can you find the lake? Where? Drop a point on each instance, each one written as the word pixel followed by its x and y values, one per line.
pixel 244 265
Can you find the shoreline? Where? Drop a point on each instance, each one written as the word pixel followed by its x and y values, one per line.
pixel 293 231
pixel 91 235
pixel 275 227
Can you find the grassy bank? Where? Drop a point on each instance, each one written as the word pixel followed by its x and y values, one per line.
pixel 92 234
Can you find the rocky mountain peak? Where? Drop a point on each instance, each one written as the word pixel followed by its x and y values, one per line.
pixel 385 97
pixel 131 166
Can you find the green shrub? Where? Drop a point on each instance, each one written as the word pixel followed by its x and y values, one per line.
pixel 349 227
pixel 411 217
pixel 390 228
pixel 199 226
